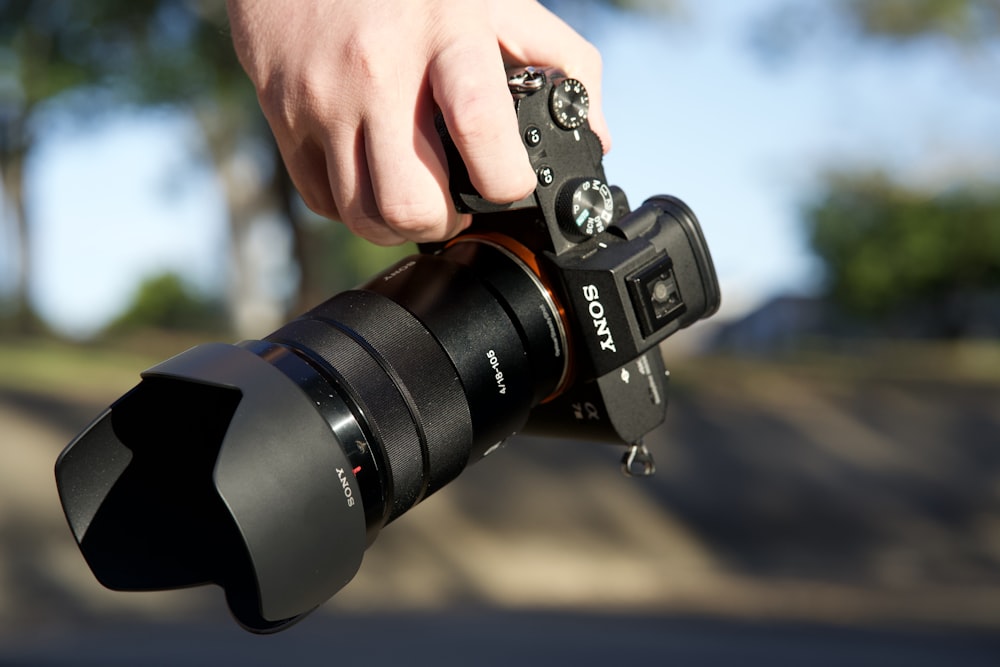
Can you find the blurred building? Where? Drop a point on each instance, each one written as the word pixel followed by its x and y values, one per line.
pixel 786 323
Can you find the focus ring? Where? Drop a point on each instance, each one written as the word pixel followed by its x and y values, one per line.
pixel 424 376
pixel 366 385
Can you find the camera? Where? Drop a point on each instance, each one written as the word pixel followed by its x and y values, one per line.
pixel 268 467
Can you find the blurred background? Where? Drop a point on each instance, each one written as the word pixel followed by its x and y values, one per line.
pixel 828 485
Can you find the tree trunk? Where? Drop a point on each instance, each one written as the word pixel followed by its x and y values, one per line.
pixel 12 154
pixel 251 200
pixel 308 293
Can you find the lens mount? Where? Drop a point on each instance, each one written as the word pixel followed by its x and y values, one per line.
pixel 554 315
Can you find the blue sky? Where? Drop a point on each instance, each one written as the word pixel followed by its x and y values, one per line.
pixel 693 110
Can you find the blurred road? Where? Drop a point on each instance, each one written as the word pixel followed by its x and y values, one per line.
pixel 799 514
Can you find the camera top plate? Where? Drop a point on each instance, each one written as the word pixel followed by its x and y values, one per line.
pixel 571 196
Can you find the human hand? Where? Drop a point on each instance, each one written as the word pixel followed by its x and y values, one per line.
pixel 350 90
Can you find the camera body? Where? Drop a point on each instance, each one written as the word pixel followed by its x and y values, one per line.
pixel 625 280
pixel 267 467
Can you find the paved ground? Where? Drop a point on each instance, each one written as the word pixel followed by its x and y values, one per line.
pixel 799 514
pixel 497 638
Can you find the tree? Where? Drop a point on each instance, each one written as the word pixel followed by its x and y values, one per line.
pixel 39 52
pixel 969 22
pixel 888 249
pixel 97 55
pixel 165 302
pixel 791 27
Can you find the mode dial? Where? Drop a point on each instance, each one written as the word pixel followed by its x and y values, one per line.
pixel 569 104
pixel 585 207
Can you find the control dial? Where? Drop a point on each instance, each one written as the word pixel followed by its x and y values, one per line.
pixel 585 207
pixel 569 104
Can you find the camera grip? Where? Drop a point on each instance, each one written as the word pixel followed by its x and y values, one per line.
pixel 621 406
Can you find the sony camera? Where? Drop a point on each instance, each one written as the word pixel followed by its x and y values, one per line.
pixel 267 467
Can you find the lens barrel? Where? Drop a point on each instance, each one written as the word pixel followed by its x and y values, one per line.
pixel 433 389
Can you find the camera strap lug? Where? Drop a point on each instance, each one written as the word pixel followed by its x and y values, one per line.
pixel 638 461
pixel 525 80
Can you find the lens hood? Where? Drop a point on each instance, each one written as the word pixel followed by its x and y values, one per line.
pixel 218 468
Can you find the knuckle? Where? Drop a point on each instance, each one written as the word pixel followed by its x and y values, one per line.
pixel 320 205
pixel 495 158
pixel 292 102
pixel 371 228
pixel 314 86
pixel 315 192
pixel 475 125
pixel 591 57
pixel 522 184
pixel 413 220
pixel 505 187
pixel 358 56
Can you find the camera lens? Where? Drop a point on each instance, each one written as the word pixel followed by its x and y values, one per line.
pixel 269 466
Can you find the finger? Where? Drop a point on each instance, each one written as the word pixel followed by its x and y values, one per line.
pixel 407 164
pixel 470 87
pixel 352 190
pixel 536 36
pixel 304 157
pixel 430 141
pixel 306 164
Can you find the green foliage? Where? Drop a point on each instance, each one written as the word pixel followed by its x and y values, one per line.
pixel 651 6
pixel 342 260
pixel 165 302
pixel 885 246
pixel 791 27
pixel 16 320
pixel 966 21
pixel 146 50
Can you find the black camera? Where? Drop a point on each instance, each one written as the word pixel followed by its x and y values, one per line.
pixel 267 467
